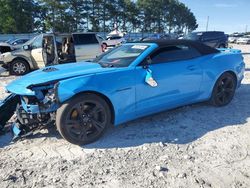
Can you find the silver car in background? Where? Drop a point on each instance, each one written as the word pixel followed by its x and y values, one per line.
pixel 243 40
pixel 50 49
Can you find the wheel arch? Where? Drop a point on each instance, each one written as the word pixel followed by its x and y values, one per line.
pixel 233 74
pixel 228 71
pixel 104 97
pixel 23 59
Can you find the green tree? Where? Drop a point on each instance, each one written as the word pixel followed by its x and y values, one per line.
pixel 17 16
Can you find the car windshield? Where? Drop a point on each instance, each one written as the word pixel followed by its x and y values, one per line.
pixel 29 42
pixel 121 56
pixel 193 36
pixel 10 41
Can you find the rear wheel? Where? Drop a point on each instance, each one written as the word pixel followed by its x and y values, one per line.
pixel 19 67
pixel 83 119
pixel 224 90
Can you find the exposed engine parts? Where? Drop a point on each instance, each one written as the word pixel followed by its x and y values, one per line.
pixel 25 121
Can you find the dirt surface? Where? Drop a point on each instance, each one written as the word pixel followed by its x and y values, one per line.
pixel 192 146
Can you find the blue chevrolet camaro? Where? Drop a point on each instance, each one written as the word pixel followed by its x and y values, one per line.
pixel 128 82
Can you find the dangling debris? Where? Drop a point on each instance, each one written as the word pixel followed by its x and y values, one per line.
pixel 7 109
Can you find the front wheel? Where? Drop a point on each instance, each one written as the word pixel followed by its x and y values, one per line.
pixel 224 90
pixel 83 119
pixel 19 67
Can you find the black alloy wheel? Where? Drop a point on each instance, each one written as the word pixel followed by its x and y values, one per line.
pixel 83 119
pixel 224 90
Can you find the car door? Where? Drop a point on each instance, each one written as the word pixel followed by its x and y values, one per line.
pixel 178 74
pixel 37 51
pixel 86 46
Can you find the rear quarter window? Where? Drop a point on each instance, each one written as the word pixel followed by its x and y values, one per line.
pixel 84 39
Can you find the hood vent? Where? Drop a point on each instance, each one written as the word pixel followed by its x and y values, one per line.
pixel 50 69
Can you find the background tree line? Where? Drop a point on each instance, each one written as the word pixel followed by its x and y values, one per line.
pixel 26 16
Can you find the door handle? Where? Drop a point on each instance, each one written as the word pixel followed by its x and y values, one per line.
pixel 191 67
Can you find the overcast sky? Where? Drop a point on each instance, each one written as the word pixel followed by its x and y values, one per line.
pixel 225 15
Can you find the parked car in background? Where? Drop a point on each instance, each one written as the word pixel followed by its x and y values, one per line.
pixel 243 40
pixel 12 44
pixel 214 39
pixel 234 37
pixel 9 40
pixel 17 43
pixel 112 41
pixel 128 82
pixel 48 49
pixel 160 36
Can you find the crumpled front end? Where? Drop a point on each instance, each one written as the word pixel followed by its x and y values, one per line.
pixel 36 107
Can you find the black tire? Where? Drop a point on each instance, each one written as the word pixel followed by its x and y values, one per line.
pixel 83 119
pixel 19 67
pixel 224 90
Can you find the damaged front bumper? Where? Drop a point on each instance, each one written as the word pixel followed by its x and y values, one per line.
pixel 33 114
pixel 32 111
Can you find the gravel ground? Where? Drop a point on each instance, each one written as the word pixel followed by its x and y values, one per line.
pixel 192 146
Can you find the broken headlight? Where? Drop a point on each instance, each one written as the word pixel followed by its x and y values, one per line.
pixel 46 95
pixel 51 95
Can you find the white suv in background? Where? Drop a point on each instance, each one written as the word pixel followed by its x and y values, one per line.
pixel 112 41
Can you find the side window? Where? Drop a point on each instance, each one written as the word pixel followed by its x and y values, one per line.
pixel 174 53
pixel 213 35
pixel 19 42
pixel 206 36
pixel 38 42
pixel 25 40
pixel 115 38
pixel 82 39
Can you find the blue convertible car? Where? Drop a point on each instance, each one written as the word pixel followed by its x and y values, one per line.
pixel 128 82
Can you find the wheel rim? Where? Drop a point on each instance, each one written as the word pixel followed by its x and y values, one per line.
pixel 19 68
pixel 225 90
pixel 86 120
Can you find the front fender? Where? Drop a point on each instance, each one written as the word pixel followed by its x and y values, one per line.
pixel 70 87
pixel 118 88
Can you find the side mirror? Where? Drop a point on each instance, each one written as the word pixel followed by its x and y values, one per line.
pixel 26 47
pixel 15 43
pixel 147 62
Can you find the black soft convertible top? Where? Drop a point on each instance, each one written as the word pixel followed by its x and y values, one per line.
pixel 202 48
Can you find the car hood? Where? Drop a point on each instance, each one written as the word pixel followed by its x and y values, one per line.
pixel 52 74
pixel 4 44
